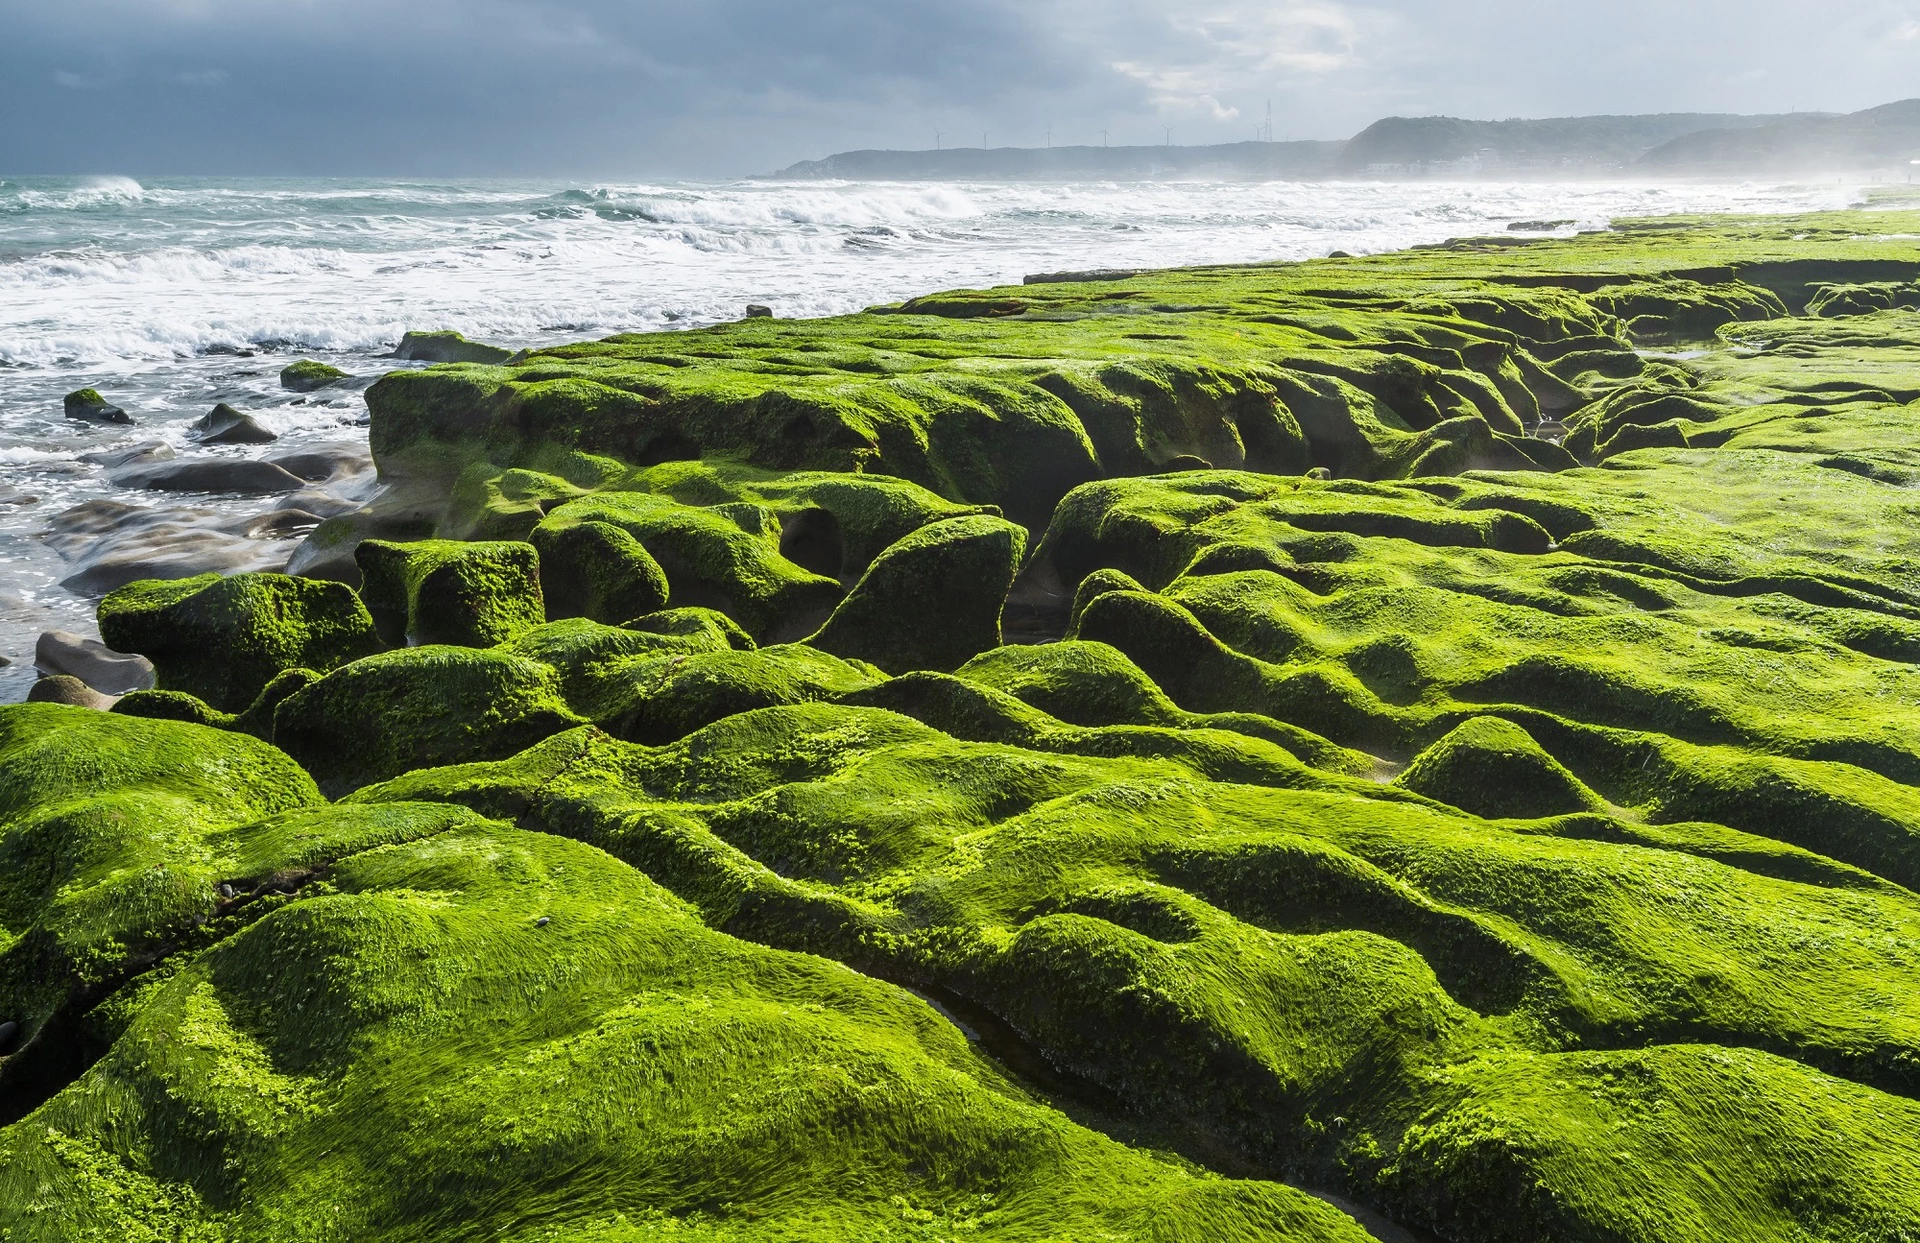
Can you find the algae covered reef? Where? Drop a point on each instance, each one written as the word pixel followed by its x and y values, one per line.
pixel 1425 746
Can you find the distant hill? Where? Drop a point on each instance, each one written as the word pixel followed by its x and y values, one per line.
pixel 1682 144
pixel 1887 137
pixel 1401 145
pixel 1255 161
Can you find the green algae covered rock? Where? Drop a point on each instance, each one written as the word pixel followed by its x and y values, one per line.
pixel 307 375
pixel 222 640
pixel 1410 962
pixel 930 601
pixel 88 406
pixel 725 557
pixel 1495 769
pixel 597 570
pixel 447 346
pixel 103 820
pixel 1517 840
pixel 676 1072
pixel 449 592
pixel 386 714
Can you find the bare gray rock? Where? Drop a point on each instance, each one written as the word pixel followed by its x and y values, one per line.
pixel 61 652
pixel 64 688
pixel 222 475
pixel 223 425
pixel 145 452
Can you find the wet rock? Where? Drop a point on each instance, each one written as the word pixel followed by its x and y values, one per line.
pixel 93 662
pixel 144 452
pixel 223 639
pixel 306 375
pixel 111 543
pixel 89 406
pixel 225 475
pixel 66 689
pixel 446 347
pixel 322 464
pixel 9 1036
pixel 223 425
pixel 757 311
pixel 283 524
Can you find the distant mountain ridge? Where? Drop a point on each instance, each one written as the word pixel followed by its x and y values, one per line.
pixel 1883 137
pixel 1881 140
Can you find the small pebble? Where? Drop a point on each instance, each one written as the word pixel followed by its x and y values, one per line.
pixel 543 921
pixel 9 1030
pixel 226 890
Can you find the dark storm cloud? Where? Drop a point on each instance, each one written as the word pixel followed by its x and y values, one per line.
pixel 602 87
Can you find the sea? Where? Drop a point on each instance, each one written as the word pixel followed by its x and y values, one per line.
pixel 170 295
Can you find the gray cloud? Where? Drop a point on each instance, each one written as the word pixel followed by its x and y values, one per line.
pixel 609 88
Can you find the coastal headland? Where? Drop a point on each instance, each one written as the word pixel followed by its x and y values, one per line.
pixel 1421 747
pixel 1883 143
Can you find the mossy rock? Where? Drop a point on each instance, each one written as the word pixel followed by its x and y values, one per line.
pixel 1078 682
pixel 931 601
pixel 450 592
pixel 222 639
pixel 447 346
pixel 347 947
pixel 1495 769
pixel 597 570
pixel 103 820
pixel 308 375
pixel 385 715
pixel 724 556
pixel 658 698
pixel 87 405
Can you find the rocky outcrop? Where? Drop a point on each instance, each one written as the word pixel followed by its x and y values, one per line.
pixel 223 425
pixel 446 347
pixel 307 376
pixel 88 406
pixel 1248 735
pixel 223 639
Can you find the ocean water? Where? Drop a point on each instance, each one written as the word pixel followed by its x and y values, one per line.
pixel 171 295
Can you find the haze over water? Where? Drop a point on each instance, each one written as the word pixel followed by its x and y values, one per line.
pixel 171 295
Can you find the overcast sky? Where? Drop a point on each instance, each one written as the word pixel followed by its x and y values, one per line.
pixel 724 87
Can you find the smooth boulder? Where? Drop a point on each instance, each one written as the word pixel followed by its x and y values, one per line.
pixel 326 463
pixel 61 652
pixel 224 639
pixel 63 688
pixel 241 475
pixel 223 425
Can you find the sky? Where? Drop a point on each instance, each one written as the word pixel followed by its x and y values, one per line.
pixel 723 88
